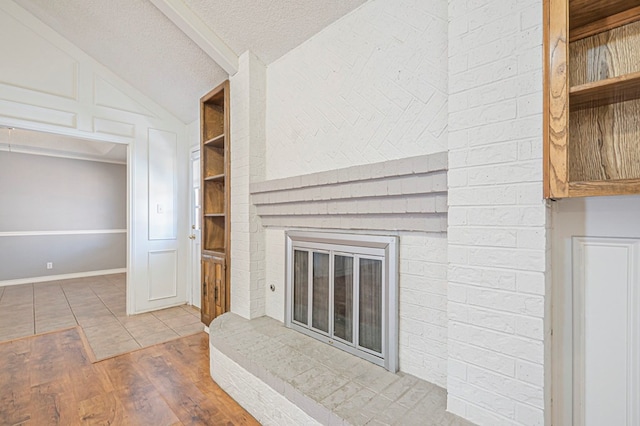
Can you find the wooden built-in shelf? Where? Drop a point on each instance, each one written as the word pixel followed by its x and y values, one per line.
pixel 591 98
pixel 584 12
pixel 215 193
pixel 605 187
pixel 606 23
pixel 605 92
pixel 214 178
pixel 216 142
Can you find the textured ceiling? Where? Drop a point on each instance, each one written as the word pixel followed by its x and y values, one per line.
pixel 137 42
pixel 269 28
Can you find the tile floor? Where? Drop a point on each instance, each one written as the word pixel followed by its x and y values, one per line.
pixel 97 304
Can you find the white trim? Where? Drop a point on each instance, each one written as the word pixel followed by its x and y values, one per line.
pixel 62 277
pixel 7 147
pixel 73 232
pixel 191 24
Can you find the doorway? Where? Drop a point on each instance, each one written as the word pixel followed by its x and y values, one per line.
pixel 195 238
pixel 65 207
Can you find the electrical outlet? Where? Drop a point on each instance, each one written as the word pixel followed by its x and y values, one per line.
pixel 49 265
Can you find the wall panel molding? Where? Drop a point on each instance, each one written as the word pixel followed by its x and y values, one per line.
pixel 163 278
pixel 163 152
pixel 606 331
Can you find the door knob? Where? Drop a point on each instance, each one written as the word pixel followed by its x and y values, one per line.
pixel 192 237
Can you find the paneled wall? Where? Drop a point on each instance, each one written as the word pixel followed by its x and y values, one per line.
pixel 47 84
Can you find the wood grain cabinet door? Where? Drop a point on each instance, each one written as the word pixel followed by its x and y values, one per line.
pixel 219 286
pixel 213 288
pixel 206 312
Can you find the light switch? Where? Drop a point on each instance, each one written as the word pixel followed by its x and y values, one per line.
pixel 160 209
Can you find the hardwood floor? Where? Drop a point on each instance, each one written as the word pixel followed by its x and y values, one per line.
pixel 49 380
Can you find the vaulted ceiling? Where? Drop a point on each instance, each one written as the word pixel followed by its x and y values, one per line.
pixel 139 43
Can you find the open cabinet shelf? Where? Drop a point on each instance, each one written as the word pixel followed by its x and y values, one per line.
pixel 215 142
pixel 215 158
pixel 592 98
pixel 604 92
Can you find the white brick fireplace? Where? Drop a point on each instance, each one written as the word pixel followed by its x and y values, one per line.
pixel 405 198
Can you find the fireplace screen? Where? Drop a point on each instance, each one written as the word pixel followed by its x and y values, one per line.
pixel 342 290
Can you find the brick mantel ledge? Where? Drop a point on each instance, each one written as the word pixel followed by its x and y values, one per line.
pixel 408 194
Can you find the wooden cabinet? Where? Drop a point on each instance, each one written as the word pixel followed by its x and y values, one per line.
pixel 213 287
pixel 214 110
pixel 591 98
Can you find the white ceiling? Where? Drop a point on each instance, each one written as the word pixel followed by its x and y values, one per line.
pixel 137 42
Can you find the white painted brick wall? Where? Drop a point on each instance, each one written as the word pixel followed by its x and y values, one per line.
pixel 497 218
pixel 423 300
pixel 369 88
pixel 275 273
pixel 423 306
pixel 267 405
pixel 248 93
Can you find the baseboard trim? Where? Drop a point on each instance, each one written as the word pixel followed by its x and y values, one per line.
pixel 62 277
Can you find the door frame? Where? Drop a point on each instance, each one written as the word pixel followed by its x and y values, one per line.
pixel 195 150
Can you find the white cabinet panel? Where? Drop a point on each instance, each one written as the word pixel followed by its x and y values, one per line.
pixel 606 331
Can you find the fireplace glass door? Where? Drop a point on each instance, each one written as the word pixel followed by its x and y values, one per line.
pixel 338 295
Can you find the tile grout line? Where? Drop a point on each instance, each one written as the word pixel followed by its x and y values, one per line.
pixel 168 326
pixel 33 304
pixel 70 307
pixel 115 316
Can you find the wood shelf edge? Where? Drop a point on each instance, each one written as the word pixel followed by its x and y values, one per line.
pixel 214 215
pixel 214 178
pixel 603 188
pixel 216 142
pixel 603 92
pixel 605 24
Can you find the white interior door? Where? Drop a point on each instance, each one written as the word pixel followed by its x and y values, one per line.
pixel 195 237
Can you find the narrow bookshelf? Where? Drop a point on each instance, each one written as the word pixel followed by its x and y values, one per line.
pixel 214 108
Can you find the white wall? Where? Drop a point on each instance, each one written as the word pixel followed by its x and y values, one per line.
pixel 368 88
pixel 49 85
pixel 497 216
